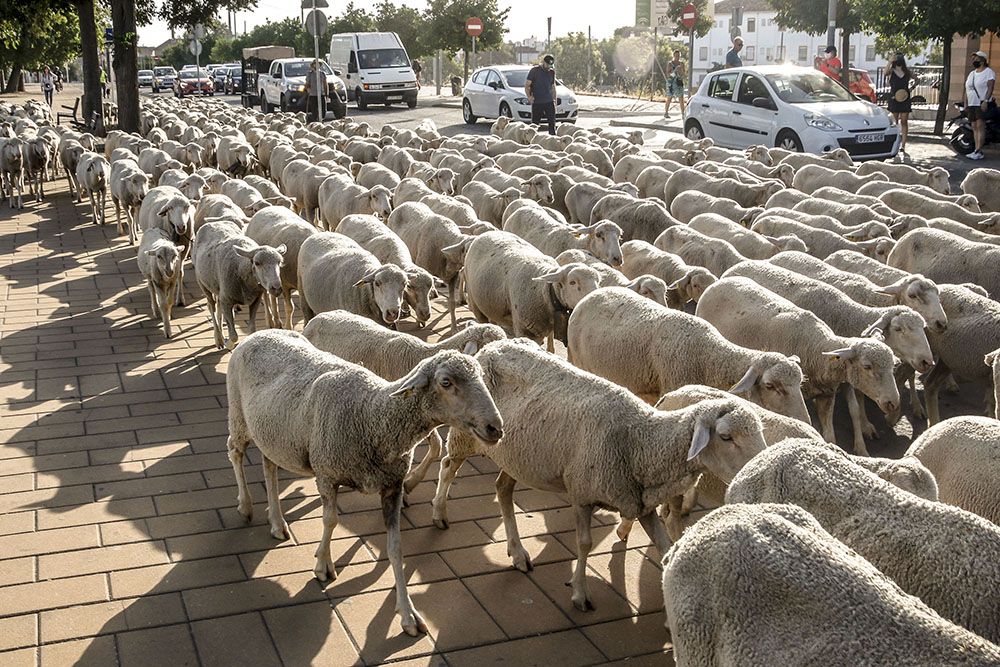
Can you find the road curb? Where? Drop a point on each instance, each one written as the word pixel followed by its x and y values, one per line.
pixel 913 138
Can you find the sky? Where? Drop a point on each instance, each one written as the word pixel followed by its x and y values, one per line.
pixel 526 19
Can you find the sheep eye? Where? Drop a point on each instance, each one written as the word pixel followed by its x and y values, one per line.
pixel 769 386
pixel 725 436
pixel 572 282
pixel 378 284
pixel 867 367
pixel 445 382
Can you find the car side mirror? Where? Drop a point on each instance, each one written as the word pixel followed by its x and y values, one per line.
pixel 493 84
pixel 764 103
pixel 337 72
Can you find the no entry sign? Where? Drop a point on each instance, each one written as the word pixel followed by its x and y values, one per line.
pixel 474 26
pixel 688 16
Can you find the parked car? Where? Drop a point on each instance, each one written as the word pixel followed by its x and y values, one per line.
pixel 284 87
pixel 188 82
pixel 234 80
pixel 219 73
pixel 499 91
pixel 163 78
pixel 860 83
pixel 795 108
pixel 145 77
pixel 377 67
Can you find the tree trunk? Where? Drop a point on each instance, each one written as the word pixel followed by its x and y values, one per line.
pixel 125 64
pixel 942 109
pixel 465 63
pixel 13 81
pixel 845 66
pixel 92 101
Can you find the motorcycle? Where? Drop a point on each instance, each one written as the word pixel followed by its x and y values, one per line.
pixel 962 140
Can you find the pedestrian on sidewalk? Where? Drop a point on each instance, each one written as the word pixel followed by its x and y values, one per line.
pixel 829 63
pixel 417 69
pixel 733 55
pixel 540 88
pixel 316 87
pixel 675 83
pixel 104 82
pixel 48 81
pixel 899 95
pixel 978 97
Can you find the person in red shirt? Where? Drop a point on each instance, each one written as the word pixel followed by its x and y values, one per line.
pixel 829 64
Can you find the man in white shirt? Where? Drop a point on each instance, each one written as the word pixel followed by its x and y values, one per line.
pixel 978 94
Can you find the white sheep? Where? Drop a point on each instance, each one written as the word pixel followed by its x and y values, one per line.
pixel 538 188
pixel 12 170
pixel 37 156
pixel 129 186
pixel 373 173
pixel 879 187
pixel 905 201
pixel 316 415
pixel 984 184
pixel 340 196
pixel 821 243
pixel 640 219
pixel 693 247
pixel 767 580
pixel 838 158
pixel 214 206
pixel 848 214
pixel 685 282
pixel 192 185
pixel 602 239
pixel 582 197
pixel 159 262
pixel 786 198
pixel 630 463
pixel 747 242
pixel 864 231
pixel 168 209
pixel 947 258
pixel 462 214
pixel 687 205
pixel 935 178
pixel 947 557
pixel 744 194
pixel 92 175
pixel 645 285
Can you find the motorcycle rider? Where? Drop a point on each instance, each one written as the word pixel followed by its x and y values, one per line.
pixel 977 97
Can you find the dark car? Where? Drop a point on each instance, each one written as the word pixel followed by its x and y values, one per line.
pixel 219 75
pixel 189 82
pixel 234 80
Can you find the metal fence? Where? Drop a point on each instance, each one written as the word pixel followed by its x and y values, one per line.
pixel 924 87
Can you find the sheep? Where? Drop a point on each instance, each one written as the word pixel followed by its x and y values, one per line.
pixel 267 189
pixel 838 159
pixel 645 285
pixel 213 179
pixel 628 169
pixel 744 194
pixel 640 219
pixel 189 154
pixel 459 212
pixel 753 316
pixel 749 581
pixel 820 242
pixel 396 160
pixel 811 177
pixel 686 283
pixel 846 214
pixel 912 222
pixel 488 203
pixel 283 390
pixel 877 188
pixel 947 258
pixel 631 463
pixel 538 188
pixel 391 355
pixel 748 243
pixel 248 198
pixel 984 185
pixel 129 186
pixel 12 170
pixel 37 155
pixel 593 155
pixel 786 198
pixel 465 169
pixel 70 151
pixel 687 205
pixel 212 207
pixel 693 247
pixel 372 235
pixel 947 557
pixel 340 196
pixel 546 161
pixel 435 243
pixel 935 178
pixel 511 283
pixel 653 179
pixel 780 172
pixel 372 174
pixel 410 190
pixel 905 201
pixel 561 183
pixel 168 209
pixel 602 239
pixel 277 226
pixel 192 185
pixel 583 175
pixel 232 269
pixel 962 454
pixel 864 231
pixel 301 180
pixel 582 197
pixel 159 262
pixel 440 180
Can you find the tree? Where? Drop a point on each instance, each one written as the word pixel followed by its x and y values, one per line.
pixel 703 21
pixel 354 19
pixel 126 38
pixel 35 33
pixel 811 16
pixel 405 22
pixel 93 97
pixel 923 20
pixel 187 13
pixel 444 22
pixel 572 56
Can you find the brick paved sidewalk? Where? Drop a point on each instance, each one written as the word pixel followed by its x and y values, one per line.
pixel 119 537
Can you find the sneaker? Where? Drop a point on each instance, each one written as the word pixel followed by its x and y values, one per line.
pixel 975 155
pixel 666 115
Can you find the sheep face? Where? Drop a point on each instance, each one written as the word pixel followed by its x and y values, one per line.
pixel 775 382
pixel 138 185
pixel 193 187
pixel 726 436
pixel 418 292
pixel 937 179
pixel 878 249
pixel 904 333
pixel 443 181
pixel 604 241
pixel 266 265
pixel 572 282
pixel 380 202
pixel 388 283
pixel 180 215
pixel 451 387
pixel 923 296
pixel 693 283
pixel 650 287
pixel 167 258
pixel 869 369
pixel 990 225
pixel 539 188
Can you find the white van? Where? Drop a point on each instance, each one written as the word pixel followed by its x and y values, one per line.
pixel 375 67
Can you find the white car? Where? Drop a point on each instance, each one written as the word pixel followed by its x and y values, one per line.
pixel 795 108
pixel 499 91
pixel 145 77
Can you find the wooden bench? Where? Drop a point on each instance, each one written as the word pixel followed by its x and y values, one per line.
pixel 71 116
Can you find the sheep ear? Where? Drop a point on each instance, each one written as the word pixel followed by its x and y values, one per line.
pixel 795 358
pixel 702 434
pixel 856 235
pixel 553 277
pixel 366 279
pixel 894 289
pixel 991 357
pixel 877 328
pixel 245 252
pixel 843 354
pixel 164 209
pixel 747 382
pixel 417 379
pixel 470 348
pixel 282 249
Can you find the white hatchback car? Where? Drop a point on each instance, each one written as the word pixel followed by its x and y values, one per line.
pixel 499 91
pixel 795 108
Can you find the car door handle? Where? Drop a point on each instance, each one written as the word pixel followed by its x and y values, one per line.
pixel 737 113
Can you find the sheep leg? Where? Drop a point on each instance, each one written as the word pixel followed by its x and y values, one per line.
pixel 279 528
pixel 229 315
pixel 118 214
pixel 93 205
pixel 505 495
pixel 915 404
pixel 433 452
pixel 932 388
pixel 213 314
pixel 179 297
pixel 651 523
pixel 307 312
pixel 584 543
pixel 868 429
pixel 675 524
pixel 254 306
pixel 855 410
pixel 152 299
pixel 165 307
pixel 271 312
pixel 392 502
pixel 624 528
pixel 286 295
pixel 824 406
pixel 449 470
pixel 102 199
pixel 452 289
pixel 237 451
pixel 324 568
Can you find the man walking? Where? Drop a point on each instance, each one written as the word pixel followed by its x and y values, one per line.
pixel 978 95
pixel 541 91
pixel 733 55
pixel 316 84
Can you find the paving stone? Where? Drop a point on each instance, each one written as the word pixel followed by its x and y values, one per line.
pixel 148 647
pixel 52 594
pixel 310 634
pixel 216 646
pixel 561 648
pixel 262 593
pixel 18 632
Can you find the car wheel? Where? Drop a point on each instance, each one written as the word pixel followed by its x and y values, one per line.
pixel 919 99
pixel 467 115
pixel 693 131
pixel 263 102
pixel 788 141
pixel 412 105
pixel 505 110
pixel 359 98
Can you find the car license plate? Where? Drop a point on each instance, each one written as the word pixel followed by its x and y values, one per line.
pixel 873 138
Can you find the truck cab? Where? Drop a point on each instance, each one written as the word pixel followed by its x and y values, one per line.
pixel 376 68
pixel 274 78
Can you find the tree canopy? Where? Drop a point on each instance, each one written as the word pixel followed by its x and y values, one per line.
pixel 35 33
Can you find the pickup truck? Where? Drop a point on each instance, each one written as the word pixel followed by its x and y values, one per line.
pixel 284 87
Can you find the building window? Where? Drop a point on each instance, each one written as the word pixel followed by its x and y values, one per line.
pixel 703 53
pixel 781 53
pixel 751 25
pixel 820 49
pixel 803 52
pixel 870 52
pixel 769 54
pixel 851 52
pixel 750 54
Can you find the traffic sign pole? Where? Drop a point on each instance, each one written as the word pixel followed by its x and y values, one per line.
pixel 689 16
pixel 474 28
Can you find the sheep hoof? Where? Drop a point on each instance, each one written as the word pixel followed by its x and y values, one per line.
pixel 441 523
pixel 325 572
pixel 583 603
pixel 414 625
pixel 623 530
pixel 246 512
pixel 522 561
pixel 869 431
pixel 280 531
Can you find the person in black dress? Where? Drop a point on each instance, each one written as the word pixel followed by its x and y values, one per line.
pixel 899 95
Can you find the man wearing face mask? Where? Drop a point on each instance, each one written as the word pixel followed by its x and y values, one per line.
pixel 978 94
pixel 540 88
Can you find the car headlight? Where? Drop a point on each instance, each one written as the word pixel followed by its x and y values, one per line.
pixel 571 100
pixel 297 89
pixel 339 85
pixel 821 123
pixel 522 100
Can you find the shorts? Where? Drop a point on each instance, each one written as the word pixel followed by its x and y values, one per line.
pixel 675 87
pixel 974 112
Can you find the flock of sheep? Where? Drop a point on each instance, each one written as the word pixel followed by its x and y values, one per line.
pixel 729 288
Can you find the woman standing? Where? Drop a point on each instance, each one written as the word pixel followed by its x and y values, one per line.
pixel 48 81
pixel 899 95
pixel 675 83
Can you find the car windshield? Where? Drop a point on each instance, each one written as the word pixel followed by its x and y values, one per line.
pixel 189 74
pixel 516 77
pixel 806 87
pixel 233 71
pixel 163 71
pixel 145 72
pixel 375 58
pixel 301 68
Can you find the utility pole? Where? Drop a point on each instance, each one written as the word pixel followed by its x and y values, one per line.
pixel 590 57
pixel 652 67
pixel 548 34
pixel 831 23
